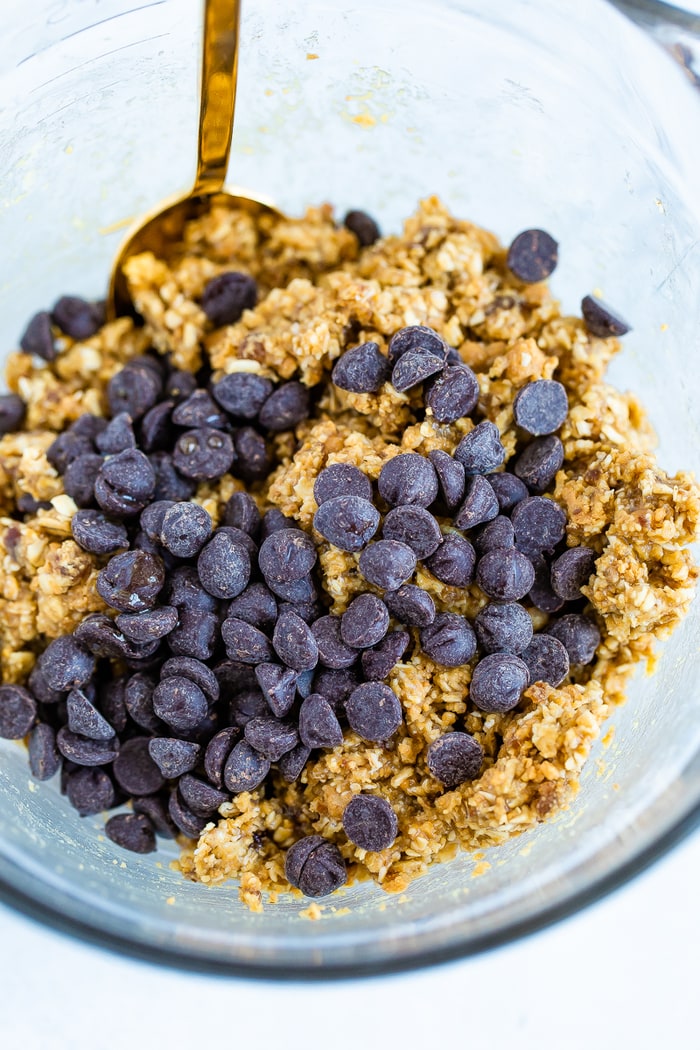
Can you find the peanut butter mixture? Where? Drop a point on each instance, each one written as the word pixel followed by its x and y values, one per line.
pixel 319 294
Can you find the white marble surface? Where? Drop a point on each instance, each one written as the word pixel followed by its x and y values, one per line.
pixel 622 973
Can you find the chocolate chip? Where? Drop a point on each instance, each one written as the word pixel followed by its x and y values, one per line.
pixel 199 410
pixel 578 634
pixel 156 431
pixel 453 394
pixel 41 690
pixel 547 660
pixel 38 337
pixel 227 295
pixel 380 660
pixel 245 768
pixel 44 756
pixel 273 520
pixel 117 436
pixel 201 798
pixel 348 522
pixel 539 525
pixel 453 562
pixel 88 425
pixel 185 590
pixel 134 769
pixel 505 574
pixel 539 462
pixel 286 556
pixel 533 256
pixel 76 317
pixel 374 711
pixel 370 822
pixel 132 831
pixel 363 226
pixel 17 712
pixel 454 758
pixel 408 479
pixel 449 640
pixel 541 407
pixel 99 635
pixel 80 477
pixel 184 819
pixel 245 643
pixel 246 704
pixel 67 447
pixel 180 703
pixel 317 871
pixel 173 757
pixel 362 370
pixel 278 685
pixel 332 650
pixel 95 533
pixel 451 478
pixel 480 451
pixel 480 504
pixel 498 682
pixel 285 407
pixel 242 394
pixel 86 752
pixel 90 791
pixel 134 390
pixel 155 807
pixel 169 485
pixel 185 529
pixel 224 566
pixel 218 750
pixel 12 412
pixel 196 671
pixel 411 605
pixel 387 564
pixel 503 627
pixel 203 454
pixel 294 642
pixel 571 570
pixel 66 664
pixel 125 484
pixel 601 320
pixel 256 605
pixel 414 367
pixel 336 686
pixel 132 581
pixel 85 719
pixel 292 763
pixel 341 479
pixel 364 622
pixel 252 462
pixel 271 736
pixel 496 533
pixel 242 513
pixel 541 594
pixel 509 490
pixel 416 338
pixel 415 527
pixel 148 626
pixel 296 593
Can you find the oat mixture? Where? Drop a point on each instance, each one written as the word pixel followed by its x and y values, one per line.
pixel 320 293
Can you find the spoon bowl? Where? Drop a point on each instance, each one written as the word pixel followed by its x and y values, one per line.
pixel 162 228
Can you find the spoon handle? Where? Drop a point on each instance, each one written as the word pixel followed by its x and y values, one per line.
pixel 217 93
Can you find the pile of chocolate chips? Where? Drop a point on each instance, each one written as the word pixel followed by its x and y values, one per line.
pixel 221 661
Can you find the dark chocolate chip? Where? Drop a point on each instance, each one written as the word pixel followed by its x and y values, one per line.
pixel 117 436
pixel 256 605
pixel 336 686
pixel 411 605
pixel 184 819
pixel 374 711
pixel 44 756
pixel 271 736
pixel 480 504
pixel 132 581
pixel 38 337
pixel 541 407
pixel 224 566
pixel 453 562
pixel 85 719
pixel 498 682
pixel 227 295
pixel 348 522
pixel 242 513
pixel 196 671
pixel 408 479
pixel 538 463
pixel 454 758
pixel 245 643
pixel 90 791
pixel 218 750
pixel 17 711
pixel 286 556
pixel 66 664
pixel 86 752
pixel 185 590
pixel 80 477
pixel 509 490
pixel 600 320
pixel 571 571
pixel 172 756
pixel 379 661
pixel 578 634
pixel 292 764
pixel 155 430
pixel 414 526
pixel 285 407
pixel 12 412
pixel 125 484
pixel 134 769
pixel 294 642
pixel 533 256
pixel 370 822
pixel 453 394
pixel 185 529
pixel 541 594
pixel 169 485
pixel 505 627
pixel 451 478
pixel 505 574
pixel 341 479
pixel 199 410
pixel 332 650
pixel 242 394
pixel 155 807
pixel 414 367
pixel 481 451
pixel 96 533
pixel 278 685
pixel 180 703
pixel 76 317
pixel 496 533
pixel 416 338
pixel 322 871
pixel 547 660
pixel 449 640
pixel 387 564
pixel 203 454
pixel 67 447
pixel 539 525
pixel 246 704
pixel 364 622
pixel 362 370
pixel 245 768
pixel 134 390
pixel 253 461
pixel 273 520
pixel 203 799
pixel 363 226
pixel 148 626
pixel 132 831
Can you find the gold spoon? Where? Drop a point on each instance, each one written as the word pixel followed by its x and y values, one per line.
pixel 162 228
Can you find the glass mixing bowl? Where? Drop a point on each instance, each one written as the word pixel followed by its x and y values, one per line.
pixel 554 114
